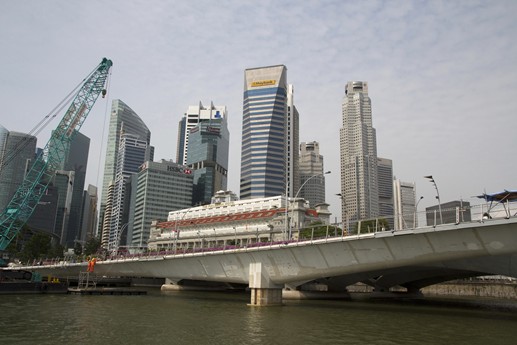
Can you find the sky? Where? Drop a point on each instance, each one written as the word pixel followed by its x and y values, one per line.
pixel 442 76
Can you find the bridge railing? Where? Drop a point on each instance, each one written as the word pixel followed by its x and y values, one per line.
pixel 453 215
pixel 462 213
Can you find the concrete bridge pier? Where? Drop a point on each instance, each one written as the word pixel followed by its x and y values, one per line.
pixel 263 291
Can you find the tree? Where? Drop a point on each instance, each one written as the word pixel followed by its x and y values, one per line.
pixel 78 248
pixel 30 245
pixel 37 247
pixel 317 229
pixel 372 225
pixel 56 251
pixel 91 246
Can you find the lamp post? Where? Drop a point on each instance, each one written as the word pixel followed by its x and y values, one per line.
pixel 346 215
pixel 298 192
pixel 176 230
pixel 119 237
pixel 430 178
pixel 416 211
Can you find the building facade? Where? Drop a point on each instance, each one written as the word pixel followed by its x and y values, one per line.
pixel 89 214
pixel 358 151
pixel 44 216
pixel 456 211
pixel 208 158
pixel 195 115
pixel 132 153
pixel 406 216
pixel 264 139
pixel 16 154
pixel 162 187
pixel 237 223
pixel 121 115
pixel 311 164
pixel 385 185
pixel 70 181
pixel 293 140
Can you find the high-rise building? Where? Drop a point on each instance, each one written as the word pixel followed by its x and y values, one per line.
pixel 405 209
pixel 195 115
pixel 456 211
pixel 70 181
pixel 64 181
pixel 264 137
pixel 131 155
pixel 89 214
pixel 311 164
pixel 358 147
pixel 120 114
pixel 162 187
pixel 16 154
pixel 105 234
pixel 293 140
pixel 385 185
pixel 208 157
pixel 43 218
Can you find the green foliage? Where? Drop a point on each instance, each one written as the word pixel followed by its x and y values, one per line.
pixel 29 245
pixel 91 246
pixel 371 225
pixel 56 251
pixel 78 248
pixel 37 247
pixel 318 230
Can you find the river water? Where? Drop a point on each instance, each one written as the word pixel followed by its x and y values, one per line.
pixel 224 318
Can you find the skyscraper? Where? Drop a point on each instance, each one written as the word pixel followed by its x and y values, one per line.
pixel 311 163
pixel 264 139
pixel 72 175
pixel 208 157
pixel 131 155
pixel 358 148
pixel 16 153
pixel 195 115
pixel 293 140
pixel 64 181
pixel 89 213
pixel 385 184
pixel 120 114
pixel 162 187
pixel 405 210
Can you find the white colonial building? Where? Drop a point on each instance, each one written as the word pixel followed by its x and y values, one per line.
pixel 228 222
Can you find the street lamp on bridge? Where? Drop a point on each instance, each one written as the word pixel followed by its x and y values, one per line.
pixel 430 178
pixel 294 199
pixel 416 211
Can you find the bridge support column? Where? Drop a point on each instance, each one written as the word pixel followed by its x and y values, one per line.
pixel 263 291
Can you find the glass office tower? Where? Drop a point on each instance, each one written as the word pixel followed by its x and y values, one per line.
pixel 264 126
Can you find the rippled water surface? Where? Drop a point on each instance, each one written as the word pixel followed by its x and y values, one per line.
pixel 225 318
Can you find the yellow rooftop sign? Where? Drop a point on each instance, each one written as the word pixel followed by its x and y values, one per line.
pixel 263 83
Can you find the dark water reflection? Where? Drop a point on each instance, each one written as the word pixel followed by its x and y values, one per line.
pixel 224 318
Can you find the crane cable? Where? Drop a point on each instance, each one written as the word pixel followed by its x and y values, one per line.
pixel 9 156
pixel 108 86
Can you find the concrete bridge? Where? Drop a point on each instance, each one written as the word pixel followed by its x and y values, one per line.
pixel 410 259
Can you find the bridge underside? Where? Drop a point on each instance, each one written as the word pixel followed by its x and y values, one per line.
pixel 414 278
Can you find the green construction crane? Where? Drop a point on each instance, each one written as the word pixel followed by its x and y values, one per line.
pixel 36 181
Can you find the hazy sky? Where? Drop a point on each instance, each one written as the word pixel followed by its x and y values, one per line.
pixel 442 76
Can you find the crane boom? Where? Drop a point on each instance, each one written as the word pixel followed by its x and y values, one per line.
pixel 36 181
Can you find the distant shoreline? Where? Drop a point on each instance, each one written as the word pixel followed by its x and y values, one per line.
pixel 497 288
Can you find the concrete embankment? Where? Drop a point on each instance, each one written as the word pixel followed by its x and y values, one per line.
pixel 502 290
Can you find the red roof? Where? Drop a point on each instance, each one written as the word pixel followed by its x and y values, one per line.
pixel 222 218
pixel 229 218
